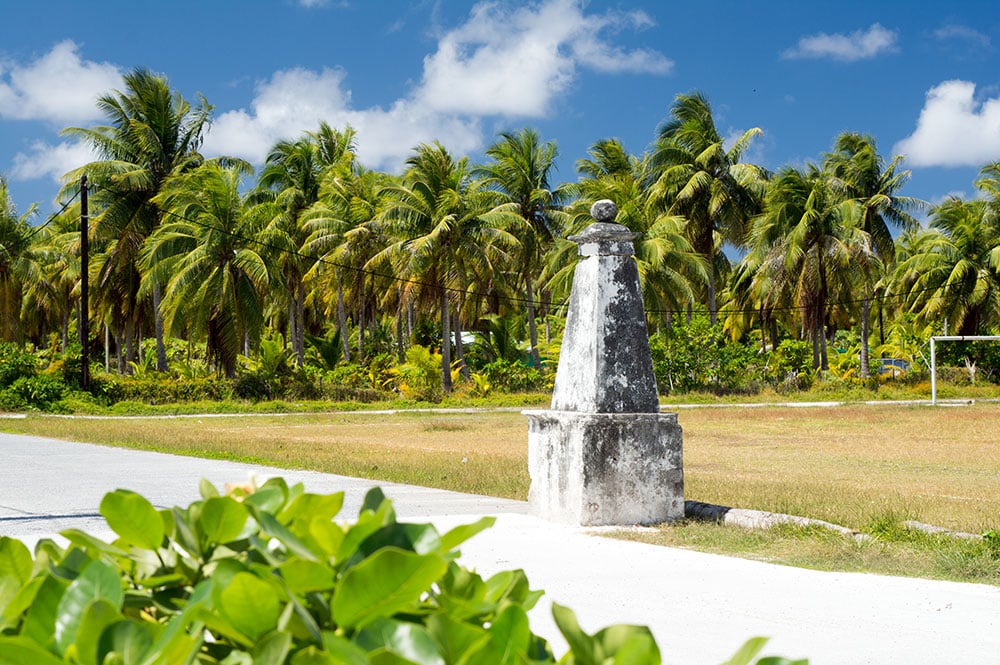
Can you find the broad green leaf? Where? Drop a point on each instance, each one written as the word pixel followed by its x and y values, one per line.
pixel 401 639
pixel 21 601
pixel 134 518
pixel 313 506
pixel 778 660
pixel 222 519
pixel 89 542
pixel 746 653
pixel 306 576
pixel 129 640
pixel 456 639
pixel 184 530
pixel 419 538
pixel 99 614
pixel 15 568
pixel 98 581
pixel 21 650
pixel 510 634
pixel 40 622
pixel 580 643
pixel 313 656
pixel 207 489
pixel 387 582
pixel 251 604
pixel 631 640
pixel 327 535
pixel 273 649
pixel 463 532
pixel 343 651
pixel 269 498
pixel 368 522
pixel 374 499
pixel 272 527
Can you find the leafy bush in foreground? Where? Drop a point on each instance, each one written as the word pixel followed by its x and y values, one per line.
pixel 269 576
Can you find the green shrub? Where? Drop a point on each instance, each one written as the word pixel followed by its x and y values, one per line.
pixel 154 389
pixel 40 392
pixel 266 575
pixel 15 363
pixel 512 376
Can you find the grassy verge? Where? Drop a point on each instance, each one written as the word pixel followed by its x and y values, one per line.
pixel 865 467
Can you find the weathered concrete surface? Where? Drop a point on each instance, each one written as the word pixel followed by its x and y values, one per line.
pixel 605 468
pixel 604 364
pixel 604 454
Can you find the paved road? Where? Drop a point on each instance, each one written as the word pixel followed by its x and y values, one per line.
pixel 701 607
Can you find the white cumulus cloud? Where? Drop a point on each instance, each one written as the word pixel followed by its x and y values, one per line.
pixel 858 45
pixel 53 161
pixel 58 86
pixel 514 62
pixel 954 128
pixel 502 61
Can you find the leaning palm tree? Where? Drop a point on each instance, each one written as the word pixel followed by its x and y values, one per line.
pixel 448 234
pixel 519 171
pixel 152 134
pixel 207 256
pixel 860 173
pixel 16 264
pixel 698 177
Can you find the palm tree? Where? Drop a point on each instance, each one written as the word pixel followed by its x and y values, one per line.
pixel 803 244
pixel 666 261
pixel 519 171
pixel 697 177
pixel 448 234
pixel 290 183
pixel 342 230
pixel 153 133
pixel 57 251
pixel 951 269
pixel 207 256
pixel 16 264
pixel 860 173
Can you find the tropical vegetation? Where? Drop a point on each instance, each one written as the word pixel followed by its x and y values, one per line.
pixel 318 275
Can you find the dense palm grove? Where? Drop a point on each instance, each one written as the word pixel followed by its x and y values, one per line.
pixel 317 273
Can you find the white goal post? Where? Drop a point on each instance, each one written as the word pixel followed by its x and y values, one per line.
pixel 951 338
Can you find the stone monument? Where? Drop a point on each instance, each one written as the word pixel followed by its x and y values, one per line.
pixel 604 454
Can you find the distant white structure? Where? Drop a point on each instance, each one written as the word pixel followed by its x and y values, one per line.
pixel 604 454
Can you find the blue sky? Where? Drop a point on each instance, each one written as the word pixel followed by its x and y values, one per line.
pixel 922 77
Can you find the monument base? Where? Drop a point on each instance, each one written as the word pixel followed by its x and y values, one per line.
pixel 593 469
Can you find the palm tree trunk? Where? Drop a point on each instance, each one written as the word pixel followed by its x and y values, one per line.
pixel 400 346
pixel 161 349
pixel 361 322
pixel 532 327
pixel 300 326
pixel 342 319
pixel 865 314
pixel 445 343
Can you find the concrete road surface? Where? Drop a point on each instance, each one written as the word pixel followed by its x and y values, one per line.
pixel 701 607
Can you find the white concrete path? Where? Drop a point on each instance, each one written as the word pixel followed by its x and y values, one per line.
pixel 701 607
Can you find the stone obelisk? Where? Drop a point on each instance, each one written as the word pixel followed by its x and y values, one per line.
pixel 604 454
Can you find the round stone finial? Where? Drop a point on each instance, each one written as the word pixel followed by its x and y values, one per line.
pixel 604 210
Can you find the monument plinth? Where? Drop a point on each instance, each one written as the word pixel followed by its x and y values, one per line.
pixel 604 454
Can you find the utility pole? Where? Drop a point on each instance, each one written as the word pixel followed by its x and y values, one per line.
pixel 84 287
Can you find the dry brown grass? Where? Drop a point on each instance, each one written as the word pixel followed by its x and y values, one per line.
pixel 847 464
